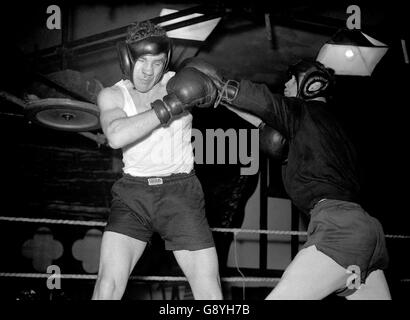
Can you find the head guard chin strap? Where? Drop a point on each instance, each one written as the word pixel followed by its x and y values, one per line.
pixel 308 73
pixel 130 51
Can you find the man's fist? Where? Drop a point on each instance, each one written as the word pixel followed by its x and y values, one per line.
pixel 228 89
pixel 192 88
pixel 271 142
pixel 187 89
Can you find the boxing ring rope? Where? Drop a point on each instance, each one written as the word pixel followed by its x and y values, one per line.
pixel 241 279
pixel 233 230
pixel 142 278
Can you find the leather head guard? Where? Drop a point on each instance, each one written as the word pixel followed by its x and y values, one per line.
pixel 130 50
pixel 308 73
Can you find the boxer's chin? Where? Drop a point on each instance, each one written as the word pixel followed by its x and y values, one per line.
pixel 143 87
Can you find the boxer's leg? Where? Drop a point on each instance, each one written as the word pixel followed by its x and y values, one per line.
pixel 119 254
pixel 375 288
pixel 201 269
pixel 124 239
pixel 183 225
pixel 311 275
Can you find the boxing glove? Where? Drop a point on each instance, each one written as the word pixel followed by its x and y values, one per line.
pixel 227 89
pixel 188 88
pixel 271 142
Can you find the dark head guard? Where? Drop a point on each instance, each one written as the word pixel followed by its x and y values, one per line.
pixel 130 50
pixel 308 72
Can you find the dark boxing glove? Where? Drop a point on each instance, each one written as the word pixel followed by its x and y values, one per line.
pixel 271 142
pixel 227 89
pixel 188 88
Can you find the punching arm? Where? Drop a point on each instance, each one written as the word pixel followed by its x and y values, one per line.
pixel 245 115
pixel 271 142
pixel 277 111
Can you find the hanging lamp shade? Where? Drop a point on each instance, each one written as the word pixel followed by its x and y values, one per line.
pixel 198 32
pixel 352 52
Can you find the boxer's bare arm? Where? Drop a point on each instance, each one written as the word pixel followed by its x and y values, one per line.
pixel 120 129
pixel 254 120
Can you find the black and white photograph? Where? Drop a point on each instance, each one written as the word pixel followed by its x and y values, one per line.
pixel 220 151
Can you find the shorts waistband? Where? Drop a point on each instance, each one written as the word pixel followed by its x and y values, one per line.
pixel 158 180
pixel 325 202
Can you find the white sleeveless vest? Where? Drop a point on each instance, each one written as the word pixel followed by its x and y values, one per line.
pixel 167 149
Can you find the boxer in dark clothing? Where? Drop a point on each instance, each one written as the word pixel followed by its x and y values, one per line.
pixel 345 250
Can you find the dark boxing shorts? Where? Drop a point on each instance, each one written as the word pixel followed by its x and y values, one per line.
pixel 349 235
pixel 173 206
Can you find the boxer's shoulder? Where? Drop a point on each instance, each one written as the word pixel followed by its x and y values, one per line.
pixel 110 96
pixel 165 78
